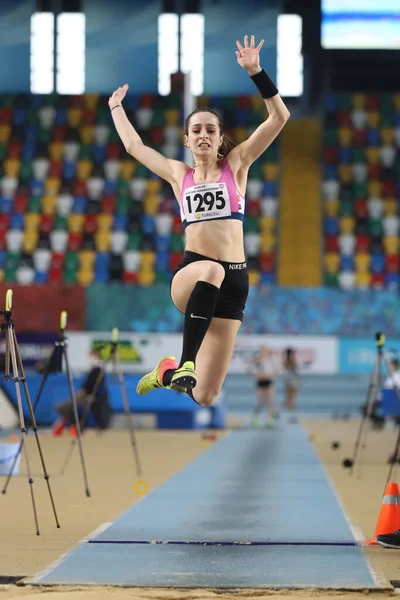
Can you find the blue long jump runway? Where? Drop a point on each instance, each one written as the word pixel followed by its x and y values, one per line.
pixel 255 510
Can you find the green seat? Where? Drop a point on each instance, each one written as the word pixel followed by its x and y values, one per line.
pixel 3 151
pixel 331 279
pixel 50 100
pixel 359 155
pixel 256 170
pixel 229 103
pixel 69 276
pixel 360 189
pixel 133 242
pixel 26 171
pixel 45 135
pixel 7 100
pixel 35 204
pixel 345 196
pixel 85 152
pixel 177 243
pixel 142 171
pixel 123 204
pixel 174 101
pixel 11 260
pixel 61 222
pixel 123 188
pixel 375 227
pixel 346 208
pixel 103 116
pixel 10 274
pixel 272 153
pixel 114 137
pixel 71 261
pixel 33 117
pixel 387 105
pixel 158 119
pixel 251 224
pixel 331 136
pixel 162 277
pixel 345 102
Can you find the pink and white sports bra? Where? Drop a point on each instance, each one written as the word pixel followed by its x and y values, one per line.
pixel 211 201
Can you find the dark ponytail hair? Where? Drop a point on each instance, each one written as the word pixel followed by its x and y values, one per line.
pixel 227 143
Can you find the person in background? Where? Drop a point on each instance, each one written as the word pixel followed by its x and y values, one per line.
pixel 291 382
pixel 94 384
pixel 265 370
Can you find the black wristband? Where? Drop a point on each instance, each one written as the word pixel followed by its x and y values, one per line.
pixel 116 106
pixel 264 84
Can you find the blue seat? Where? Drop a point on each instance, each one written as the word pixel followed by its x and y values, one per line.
pixel 102 261
pixel 373 136
pixel 217 102
pixel 148 224
pixel 41 276
pixel 330 103
pixel 331 226
pixel 19 116
pixel 2 258
pixel 377 263
pixel 162 261
pixel 270 189
pixel 36 187
pixel 6 204
pixel 101 276
pixel 345 155
pixel 163 243
pixel 28 151
pixel 181 153
pixel 330 172
pixel 132 102
pixel 110 187
pixel 392 281
pixel 36 100
pixel 99 153
pixel 242 118
pixel 17 221
pixel 267 278
pixel 79 205
pixel 397 119
pixel 120 223
pixel 61 116
pixel 69 171
pixel 346 262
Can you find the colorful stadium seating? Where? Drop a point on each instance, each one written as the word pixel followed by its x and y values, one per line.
pixel 360 191
pixel 74 208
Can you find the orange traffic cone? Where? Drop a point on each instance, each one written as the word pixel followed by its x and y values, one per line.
pixel 389 516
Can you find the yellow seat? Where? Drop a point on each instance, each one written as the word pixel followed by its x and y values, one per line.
pixel 331 208
pixel 374 188
pixel 387 136
pixel 257 102
pixel 12 167
pixel 241 134
pixel 345 173
pixel 56 150
pixel 396 101
pixel 84 169
pixel 75 222
pixel 345 136
pixel 362 261
pixel 91 100
pixel 267 242
pixel 32 221
pixel 147 259
pixel 74 116
pixel 128 168
pixel 390 207
pixel 87 259
pixel 84 277
pixel 52 186
pixel 391 245
pixel 153 186
pixel 104 222
pixel 346 224
pixel 358 101
pixel 4 133
pixel 270 171
pixel 150 204
pixel 373 118
pixel 267 224
pixel 363 280
pixel 87 134
pixel 254 277
pixel 146 277
pixel 332 260
pixel 2 276
pixel 30 240
pixel 102 240
pixel 172 116
pixel 49 204
pixel 373 156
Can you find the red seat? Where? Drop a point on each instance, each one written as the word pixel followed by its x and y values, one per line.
pixel 344 119
pixel 14 150
pixel 2 239
pixel 253 208
pixel 389 189
pixel 177 226
pixel 331 155
pixel 4 222
pixel 359 137
pixel 361 209
pixel 90 224
pixel 57 260
pixel 114 151
pixel 79 188
pixel 244 102
pixel 89 116
pixel 392 263
pixel 55 275
pixel 46 223
pixel 378 280
pixel 372 103
pixel 174 260
pixel 157 135
pixel 74 242
pixel 362 244
pixel 267 263
pixel 55 169
pixel 331 243
pixel 59 133
pixel 5 116
pixel 107 205
pixel 20 203
pixel 374 172
pixel 130 278
pixel 76 101
pixel 146 100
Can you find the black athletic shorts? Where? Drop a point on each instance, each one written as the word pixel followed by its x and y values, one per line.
pixel 265 383
pixel 234 289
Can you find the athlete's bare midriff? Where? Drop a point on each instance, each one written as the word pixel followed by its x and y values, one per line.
pixel 220 239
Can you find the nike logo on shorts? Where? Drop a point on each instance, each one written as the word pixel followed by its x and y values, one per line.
pixel 197 317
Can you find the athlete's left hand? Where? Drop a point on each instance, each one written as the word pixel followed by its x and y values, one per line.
pixel 248 56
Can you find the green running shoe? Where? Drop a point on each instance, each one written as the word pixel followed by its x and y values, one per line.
pixel 154 380
pixel 185 377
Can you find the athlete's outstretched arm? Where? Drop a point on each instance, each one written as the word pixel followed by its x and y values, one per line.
pixel 153 160
pixel 248 57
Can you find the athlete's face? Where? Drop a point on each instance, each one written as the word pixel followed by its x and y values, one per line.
pixel 204 138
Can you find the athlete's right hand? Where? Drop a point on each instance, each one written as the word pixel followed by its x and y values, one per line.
pixel 118 96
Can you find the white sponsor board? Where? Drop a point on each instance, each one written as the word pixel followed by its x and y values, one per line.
pixel 140 353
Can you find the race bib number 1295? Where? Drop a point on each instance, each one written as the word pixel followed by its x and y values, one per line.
pixel 206 201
